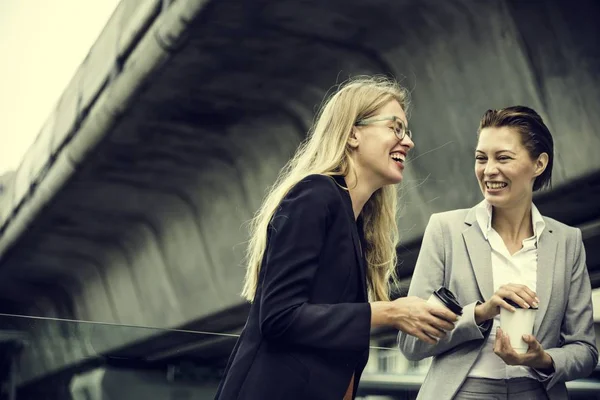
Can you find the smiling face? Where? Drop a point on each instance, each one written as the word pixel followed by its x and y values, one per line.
pixel 504 167
pixel 379 155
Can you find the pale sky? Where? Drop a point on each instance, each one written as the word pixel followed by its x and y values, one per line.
pixel 42 42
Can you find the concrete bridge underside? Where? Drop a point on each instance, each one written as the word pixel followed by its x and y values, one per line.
pixel 129 208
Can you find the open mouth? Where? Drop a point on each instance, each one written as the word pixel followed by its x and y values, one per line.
pixel 496 185
pixel 398 157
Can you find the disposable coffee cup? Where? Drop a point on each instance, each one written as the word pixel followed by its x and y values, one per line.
pixel 516 324
pixel 444 298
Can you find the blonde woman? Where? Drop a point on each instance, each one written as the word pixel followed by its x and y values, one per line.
pixel 322 245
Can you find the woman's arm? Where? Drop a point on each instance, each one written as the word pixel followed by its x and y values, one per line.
pixel 427 277
pixel 297 234
pixel 577 355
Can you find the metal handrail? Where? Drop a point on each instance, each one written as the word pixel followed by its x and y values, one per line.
pixel 390 382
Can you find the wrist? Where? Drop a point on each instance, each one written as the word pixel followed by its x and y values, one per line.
pixel 546 363
pixel 543 363
pixel 479 314
pixel 380 313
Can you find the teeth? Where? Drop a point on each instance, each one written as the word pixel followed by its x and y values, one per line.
pixel 397 157
pixel 495 185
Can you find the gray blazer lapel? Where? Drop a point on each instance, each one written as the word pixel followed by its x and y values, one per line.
pixel 480 255
pixel 547 246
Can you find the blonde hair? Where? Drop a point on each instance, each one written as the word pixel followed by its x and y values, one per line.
pixel 325 151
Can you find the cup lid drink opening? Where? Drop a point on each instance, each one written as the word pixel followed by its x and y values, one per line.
pixel 449 300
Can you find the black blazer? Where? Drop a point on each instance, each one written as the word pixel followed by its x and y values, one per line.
pixel 309 326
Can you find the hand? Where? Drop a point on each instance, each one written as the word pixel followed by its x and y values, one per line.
pixel 520 294
pixel 416 317
pixel 535 357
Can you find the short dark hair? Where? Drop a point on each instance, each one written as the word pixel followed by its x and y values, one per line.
pixel 535 135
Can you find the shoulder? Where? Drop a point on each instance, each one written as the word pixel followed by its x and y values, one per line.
pixel 562 230
pixel 317 194
pixel 318 189
pixel 555 225
pixel 450 218
pixel 443 226
pixel 317 182
pixel 310 201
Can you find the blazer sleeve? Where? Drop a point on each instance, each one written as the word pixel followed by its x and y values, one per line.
pixel 427 277
pixel 297 235
pixel 577 356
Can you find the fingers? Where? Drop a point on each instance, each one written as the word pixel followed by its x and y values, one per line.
pixel 520 294
pixel 499 301
pixel 503 348
pixel 534 345
pixel 424 337
pixel 430 329
pixel 441 324
pixel 506 345
pixel 428 332
pixel 498 342
pixel 445 315
pixel 517 299
pixel 438 327
pixel 528 295
pixel 425 322
pixel 434 331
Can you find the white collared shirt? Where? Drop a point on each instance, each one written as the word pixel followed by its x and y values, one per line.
pixel 521 268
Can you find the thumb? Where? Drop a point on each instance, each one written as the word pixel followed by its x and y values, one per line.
pixel 530 340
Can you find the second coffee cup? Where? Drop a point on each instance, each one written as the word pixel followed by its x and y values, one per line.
pixel 516 324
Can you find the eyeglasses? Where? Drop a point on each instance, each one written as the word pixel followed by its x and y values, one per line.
pixel 399 129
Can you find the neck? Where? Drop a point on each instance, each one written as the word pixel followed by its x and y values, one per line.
pixel 360 191
pixel 513 223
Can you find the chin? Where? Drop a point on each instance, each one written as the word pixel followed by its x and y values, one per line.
pixel 495 201
pixel 393 179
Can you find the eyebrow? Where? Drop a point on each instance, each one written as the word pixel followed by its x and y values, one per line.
pixel 398 119
pixel 497 152
pixel 386 118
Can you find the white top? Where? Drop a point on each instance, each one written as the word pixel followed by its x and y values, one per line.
pixel 520 268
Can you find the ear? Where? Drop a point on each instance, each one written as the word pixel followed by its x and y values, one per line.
pixel 353 139
pixel 541 163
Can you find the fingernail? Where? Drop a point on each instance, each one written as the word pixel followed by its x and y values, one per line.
pixel 535 304
pixel 526 305
pixel 537 300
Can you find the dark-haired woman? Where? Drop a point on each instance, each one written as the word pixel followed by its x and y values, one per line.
pixel 499 252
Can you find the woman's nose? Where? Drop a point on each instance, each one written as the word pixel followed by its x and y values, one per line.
pixel 490 168
pixel 407 141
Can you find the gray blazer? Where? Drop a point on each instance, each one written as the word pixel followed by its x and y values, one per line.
pixel 455 253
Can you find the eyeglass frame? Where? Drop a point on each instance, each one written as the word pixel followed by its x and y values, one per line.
pixel 369 121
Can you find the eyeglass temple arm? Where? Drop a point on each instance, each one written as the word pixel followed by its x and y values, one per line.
pixel 369 120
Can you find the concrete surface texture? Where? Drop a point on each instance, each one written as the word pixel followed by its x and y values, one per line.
pixel 148 227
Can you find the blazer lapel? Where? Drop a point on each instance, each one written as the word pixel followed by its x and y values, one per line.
pixel 358 248
pixel 359 252
pixel 546 261
pixel 480 255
